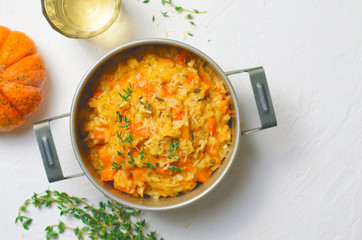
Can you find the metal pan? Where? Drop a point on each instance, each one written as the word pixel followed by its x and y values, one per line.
pixel 86 89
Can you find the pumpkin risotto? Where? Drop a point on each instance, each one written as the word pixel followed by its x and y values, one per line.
pixel 159 124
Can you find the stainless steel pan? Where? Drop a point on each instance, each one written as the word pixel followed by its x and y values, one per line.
pixel 86 89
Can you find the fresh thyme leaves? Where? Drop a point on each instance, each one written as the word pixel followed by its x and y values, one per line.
pixel 128 139
pixel 178 9
pixel 213 161
pixel 127 93
pixel 190 34
pixel 174 146
pixel 150 165
pixel 201 99
pixel 186 76
pixel 159 99
pixel 197 90
pixel 192 136
pixel 118 166
pixel 171 8
pixel 126 122
pixel 150 106
pixel 110 221
pixel 25 221
pixel 173 168
pixel 131 161
pixel 170 114
pixel 142 153
pixel 120 154
pixel 119 135
pixel 119 117
pixel 144 105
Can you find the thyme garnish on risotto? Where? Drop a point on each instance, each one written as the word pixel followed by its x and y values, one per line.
pixel 131 161
pixel 118 166
pixel 128 139
pixel 127 122
pixel 119 117
pixel 150 106
pixel 150 165
pixel 197 90
pixel 142 153
pixel 127 93
pixel 159 99
pixel 174 147
pixel 144 105
pixel 170 114
pixel 173 168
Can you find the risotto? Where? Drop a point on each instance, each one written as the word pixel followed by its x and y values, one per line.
pixel 159 123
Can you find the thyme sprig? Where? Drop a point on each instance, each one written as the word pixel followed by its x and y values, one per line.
pixel 119 117
pixel 174 146
pixel 170 114
pixel 127 93
pixel 153 167
pixel 131 159
pixel 179 8
pixel 117 166
pixel 110 221
pixel 164 14
pixel 149 106
pixel 173 167
pixel 144 105
pixel 127 122
pixel 120 154
pixel 128 139
pixel 142 153
pixel 159 99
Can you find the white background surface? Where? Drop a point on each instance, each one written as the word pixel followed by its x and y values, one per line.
pixel 301 180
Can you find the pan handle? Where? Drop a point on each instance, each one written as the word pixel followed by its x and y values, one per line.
pixel 48 151
pixel 262 98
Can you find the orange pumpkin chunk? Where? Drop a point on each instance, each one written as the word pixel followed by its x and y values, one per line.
pixel 203 175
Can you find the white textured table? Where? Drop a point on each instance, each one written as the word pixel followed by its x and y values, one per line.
pixel 301 180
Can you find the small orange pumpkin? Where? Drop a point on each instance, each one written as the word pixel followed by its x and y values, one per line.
pixel 22 78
